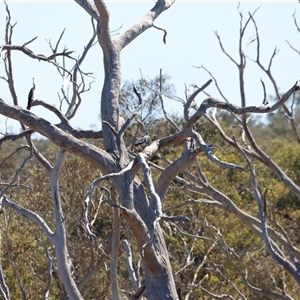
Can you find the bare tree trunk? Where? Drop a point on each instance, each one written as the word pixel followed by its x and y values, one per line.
pixel 116 229
pixel 159 280
pixel 142 209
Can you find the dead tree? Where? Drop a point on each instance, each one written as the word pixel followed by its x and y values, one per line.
pixel 136 197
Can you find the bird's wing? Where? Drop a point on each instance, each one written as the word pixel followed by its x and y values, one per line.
pixel 141 140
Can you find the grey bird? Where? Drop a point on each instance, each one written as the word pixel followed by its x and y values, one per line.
pixel 142 140
pixel 31 95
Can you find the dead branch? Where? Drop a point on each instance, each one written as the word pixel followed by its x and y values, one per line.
pixel 134 276
pixel 39 57
pixel 28 214
pixel 49 269
pixel 145 23
pixel 165 33
pixel 292 269
pixel 116 231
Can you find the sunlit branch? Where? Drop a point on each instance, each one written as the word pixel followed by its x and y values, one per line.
pixel 276 256
pixel 28 214
pixel 116 231
pixel 145 23
pixel 49 271
pixel 131 270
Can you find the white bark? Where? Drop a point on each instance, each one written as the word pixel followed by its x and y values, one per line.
pixel 140 213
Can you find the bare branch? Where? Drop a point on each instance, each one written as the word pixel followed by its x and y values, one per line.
pixel 131 270
pixel 276 256
pixel 28 214
pixel 145 23
pixel 162 103
pixel 191 99
pixel 89 7
pixel 52 108
pixel 3 286
pixel 265 101
pixel 165 33
pixel 39 57
pixel 223 49
pixel 210 154
pixel 215 81
pixel 116 230
pixel 54 50
pixel 211 102
pixel 53 133
pixel 49 267
pixel 156 202
pixel 30 41
pixel 76 95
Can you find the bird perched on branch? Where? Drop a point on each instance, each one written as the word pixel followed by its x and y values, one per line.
pixel 194 105
pixel 143 140
pixel 31 95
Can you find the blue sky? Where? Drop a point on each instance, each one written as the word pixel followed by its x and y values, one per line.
pixel 190 42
